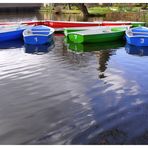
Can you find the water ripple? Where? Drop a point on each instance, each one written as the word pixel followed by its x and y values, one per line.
pixel 62 97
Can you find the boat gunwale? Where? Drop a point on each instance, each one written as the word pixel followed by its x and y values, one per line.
pixel 112 32
pixel 10 29
pixel 137 36
pixel 94 27
pixel 76 22
pixel 51 31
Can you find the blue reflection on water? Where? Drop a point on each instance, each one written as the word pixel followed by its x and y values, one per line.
pixel 39 49
pixel 136 50
pixel 12 44
pixel 96 96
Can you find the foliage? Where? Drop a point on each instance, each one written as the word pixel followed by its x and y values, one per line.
pixel 75 11
pixel 99 10
pixel 115 7
pixel 47 8
pixel 128 9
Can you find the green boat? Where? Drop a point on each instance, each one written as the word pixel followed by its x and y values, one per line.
pixel 75 29
pixel 100 35
pixel 88 47
pixel 137 24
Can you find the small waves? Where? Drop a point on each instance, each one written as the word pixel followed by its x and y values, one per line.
pixel 61 97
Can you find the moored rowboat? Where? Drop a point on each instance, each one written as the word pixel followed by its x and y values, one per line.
pixel 116 23
pixel 38 35
pixel 137 24
pixel 64 24
pixel 11 32
pixel 100 35
pixel 137 36
pixel 75 29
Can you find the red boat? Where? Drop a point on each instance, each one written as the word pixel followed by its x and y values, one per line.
pixel 26 22
pixel 66 24
pixel 111 23
pixel 55 24
pixel 8 23
pixel 63 24
pixel 33 23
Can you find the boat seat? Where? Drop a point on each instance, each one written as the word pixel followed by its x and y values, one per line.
pixel 106 31
pixel 91 32
pixel 40 32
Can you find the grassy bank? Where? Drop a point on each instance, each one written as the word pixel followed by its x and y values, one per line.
pixel 93 10
pixel 75 10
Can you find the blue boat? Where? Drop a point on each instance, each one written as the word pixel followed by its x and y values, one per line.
pixel 38 35
pixel 136 50
pixel 11 32
pixel 137 36
pixel 39 49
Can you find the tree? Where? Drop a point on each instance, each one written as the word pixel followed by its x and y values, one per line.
pixel 144 6
pixel 69 6
pixel 83 8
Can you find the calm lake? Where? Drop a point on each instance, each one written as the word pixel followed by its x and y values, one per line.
pixel 70 94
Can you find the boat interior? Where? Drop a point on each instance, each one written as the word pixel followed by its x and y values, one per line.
pixel 36 32
pixel 101 30
pixel 131 33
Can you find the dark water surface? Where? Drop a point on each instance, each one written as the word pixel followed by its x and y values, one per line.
pixel 69 94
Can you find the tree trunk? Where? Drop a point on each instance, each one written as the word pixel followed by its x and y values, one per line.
pixel 83 8
pixel 144 6
pixel 69 6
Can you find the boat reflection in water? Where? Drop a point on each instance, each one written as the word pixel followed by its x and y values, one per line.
pixel 79 48
pixel 13 44
pixel 102 52
pixel 39 49
pixel 136 50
